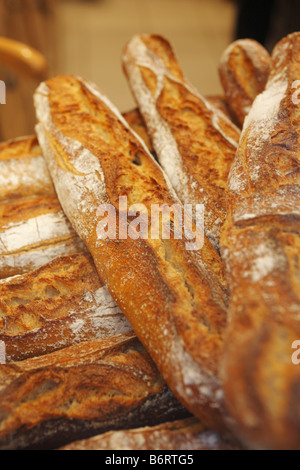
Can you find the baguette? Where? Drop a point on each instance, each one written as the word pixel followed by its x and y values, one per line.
pixel 56 306
pixel 195 142
pixel 244 70
pixel 185 434
pixel 33 227
pixel 219 102
pixel 33 231
pixel 135 121
pixel 92 387
pixel 23 170
pixel 261 246
pixel 175 299
pixel 63 302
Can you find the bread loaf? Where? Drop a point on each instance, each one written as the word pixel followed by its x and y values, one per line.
pixel 261 246
pixel 185 434
pixel 195 142
pixel 135 121
pixel 23 171
pixel 244 70
pixel 92 387
pixel 220 102
pixel 33 227
pixel 33 231
pixel 174 298
pixel 58 305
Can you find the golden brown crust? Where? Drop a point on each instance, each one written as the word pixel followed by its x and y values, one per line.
pixel 244 70
pixel 33 227
pixel 65 396
pixel 16 211
pixel 194 142
pixel 186 434
pixel 219 102
pixel 33 231
pixel 92 387
pixel 136 122
pixel 23 171
pixel 56 306
pixel 20 148
pixel 172 297
pixel 261 247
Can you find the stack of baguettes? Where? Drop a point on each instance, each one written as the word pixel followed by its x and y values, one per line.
pixel 114 344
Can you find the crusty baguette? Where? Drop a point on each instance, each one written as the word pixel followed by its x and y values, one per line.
pixel 33 231
pixel 185 434
pixel 92 387
pixel 244 70
pixel 63 302
pixel 220 102
pixel 33 227
pixel 135 121
pixel 23 170
pixel 195 142
pixel 175 299
pixel 56 306
pixel 261 246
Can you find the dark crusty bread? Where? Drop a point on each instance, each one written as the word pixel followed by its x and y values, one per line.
pixel 261 249
pixel 244 70
pixel 194 141
pixel 175 299
pixel 185 434
pixel 56 306
pixel 92 387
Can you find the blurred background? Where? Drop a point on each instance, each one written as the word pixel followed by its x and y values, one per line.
pixel 86 37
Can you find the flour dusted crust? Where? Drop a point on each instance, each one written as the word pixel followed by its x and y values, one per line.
pixel 63 314
pixel 23 170
pixel 33 231
pixel 261 246
pixel 244 70
pixel 33 228
pixel 194 141
pixel 219 102
pixel 174 299
pixel 56 306
pixel 186 434
pixel 51 300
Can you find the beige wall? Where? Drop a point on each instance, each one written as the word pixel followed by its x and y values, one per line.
pixel 86 37
pixel 93 34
